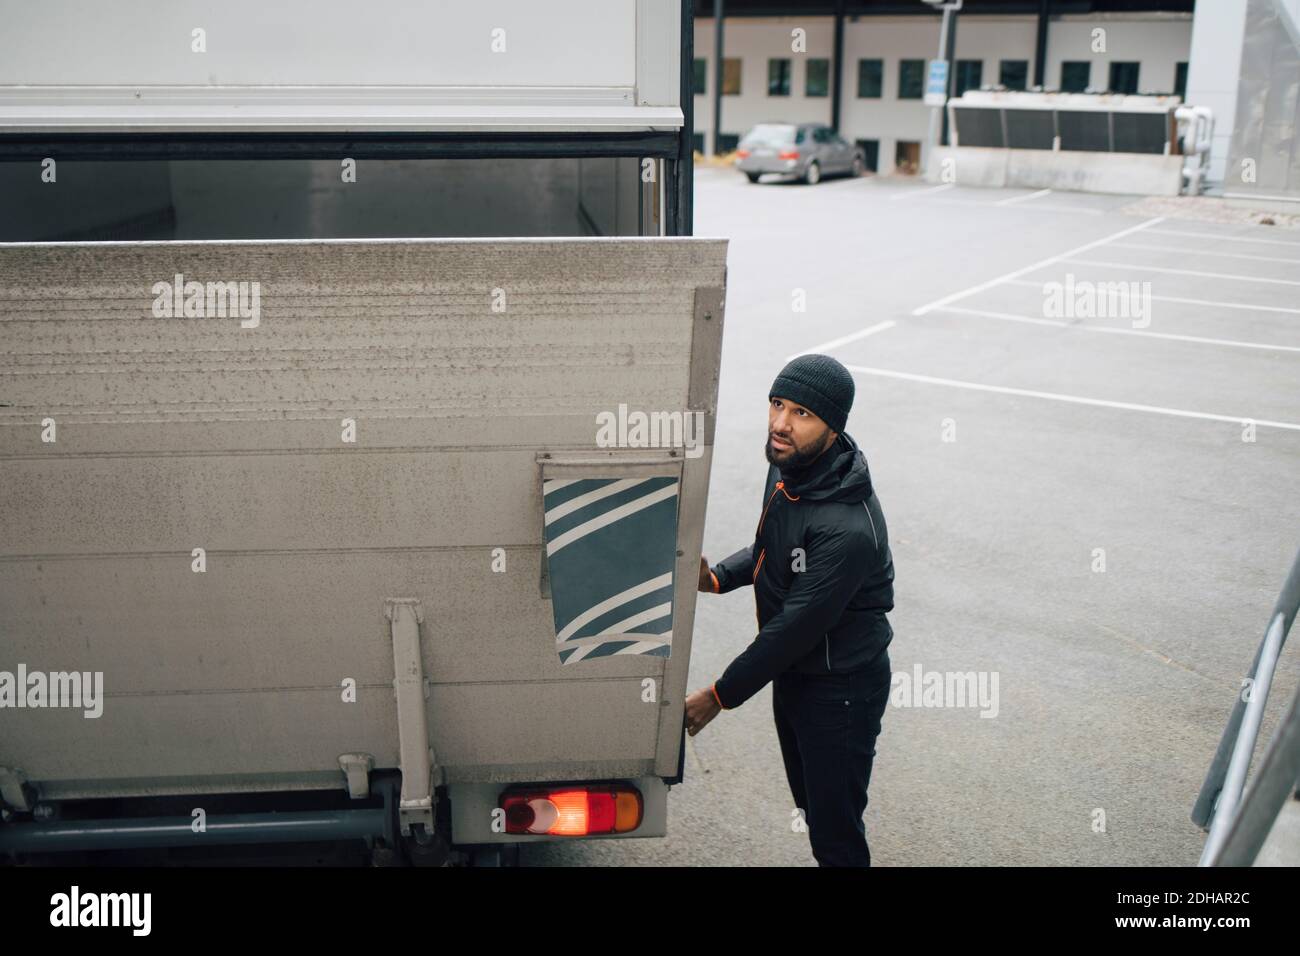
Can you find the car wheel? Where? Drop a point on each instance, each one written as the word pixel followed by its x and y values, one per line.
pixel 753 177
pixel 858 166
pixel 813 174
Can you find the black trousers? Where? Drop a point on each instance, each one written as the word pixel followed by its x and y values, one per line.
pixel 827 725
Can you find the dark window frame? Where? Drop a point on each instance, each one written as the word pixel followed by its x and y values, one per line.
pixel 1120 69
pixel 808 78
pixel 1066 66
pixel 1021 66
pixel 784 67
pixel 870 153
pixel 959 78
pixel 907 84
pixel 726 60
pixel 879 78
pixel 1180 79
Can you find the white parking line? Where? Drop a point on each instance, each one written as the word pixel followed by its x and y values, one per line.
pixel 1037 265
pixel 1216 237
pixel 1058 323
pixel 1174 298
pixel 1026 198
pixel 1036 207
pixel 912 194
pixel 1183 272
pixel 834 343
pixel 1188 251
pixel 1072 210
pixel 1073 399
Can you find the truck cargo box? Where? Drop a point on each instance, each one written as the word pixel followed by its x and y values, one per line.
pixel 322 511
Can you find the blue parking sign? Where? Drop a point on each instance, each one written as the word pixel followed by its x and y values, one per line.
pixel 936 85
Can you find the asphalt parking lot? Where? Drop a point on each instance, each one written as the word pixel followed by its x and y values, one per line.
pixel 1090 496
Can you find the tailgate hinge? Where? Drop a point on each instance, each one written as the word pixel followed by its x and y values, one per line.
pixel 415 807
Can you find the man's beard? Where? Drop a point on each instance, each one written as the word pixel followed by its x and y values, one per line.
pixel 799 458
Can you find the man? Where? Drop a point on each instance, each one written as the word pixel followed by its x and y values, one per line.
pixel 823 581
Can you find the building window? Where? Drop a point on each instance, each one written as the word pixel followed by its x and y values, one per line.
pixel 701 76
pixel 1123 77
pixel 911 79
pixel 731 76
pixel 1014 74
pixel 870 151
pixel 1180 80
pixel 778 77
pixel 871 78
pixel 727 142
pixel 970 74
pixel 907 157
pixel 1075 76
pixel 817 78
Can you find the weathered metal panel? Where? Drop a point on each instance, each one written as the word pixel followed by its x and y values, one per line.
pixel 459 363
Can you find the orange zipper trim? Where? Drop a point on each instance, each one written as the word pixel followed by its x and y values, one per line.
pixel 761 555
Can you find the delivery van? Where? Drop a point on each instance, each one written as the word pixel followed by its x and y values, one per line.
pixel 358 379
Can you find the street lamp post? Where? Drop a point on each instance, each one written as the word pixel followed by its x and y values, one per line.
pixel 941 78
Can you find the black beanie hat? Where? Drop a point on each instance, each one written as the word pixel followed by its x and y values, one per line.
pixel 820 384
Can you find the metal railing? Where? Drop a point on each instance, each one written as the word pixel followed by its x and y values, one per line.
pixel 1239 824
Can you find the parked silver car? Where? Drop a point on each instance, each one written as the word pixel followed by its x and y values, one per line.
pixel 806 151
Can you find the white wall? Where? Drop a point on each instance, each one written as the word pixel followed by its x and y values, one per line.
pixel 1157 41
pixel 382 64
pixel 756 41
pixel 893 39
pixel 305 42
pixel 1212 79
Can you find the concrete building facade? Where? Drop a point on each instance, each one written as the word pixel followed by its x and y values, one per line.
pixel 885 59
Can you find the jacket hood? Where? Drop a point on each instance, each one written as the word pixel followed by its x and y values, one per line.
pixel 839 474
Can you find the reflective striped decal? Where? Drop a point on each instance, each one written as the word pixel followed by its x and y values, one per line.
pixel 611 547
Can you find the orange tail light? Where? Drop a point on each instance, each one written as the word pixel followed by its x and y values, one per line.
pixel 573 811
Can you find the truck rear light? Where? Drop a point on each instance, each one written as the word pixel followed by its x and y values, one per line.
pixel 573 811
pixel 788 154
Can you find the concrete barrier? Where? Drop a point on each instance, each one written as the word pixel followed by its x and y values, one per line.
pixel 1078 171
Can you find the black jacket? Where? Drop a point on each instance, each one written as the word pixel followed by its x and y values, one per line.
pixel 821 608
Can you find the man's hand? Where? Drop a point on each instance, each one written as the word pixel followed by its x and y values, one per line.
pixel 706 578
pixel 701 707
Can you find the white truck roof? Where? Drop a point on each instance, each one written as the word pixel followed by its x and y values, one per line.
pixel 506 65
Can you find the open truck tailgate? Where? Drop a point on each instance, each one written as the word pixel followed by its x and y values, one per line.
pixel 372 446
